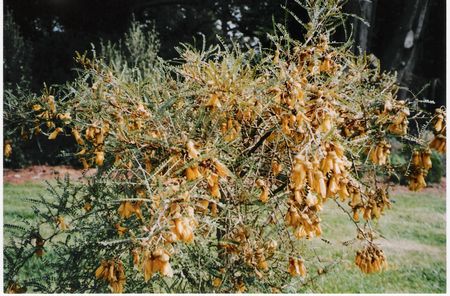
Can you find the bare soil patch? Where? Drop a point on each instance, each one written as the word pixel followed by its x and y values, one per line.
pixel 40 173
pixel 432 189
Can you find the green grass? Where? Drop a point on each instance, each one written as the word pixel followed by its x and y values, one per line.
pixel 415 244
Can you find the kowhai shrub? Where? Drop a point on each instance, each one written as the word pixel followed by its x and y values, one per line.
pixel 213 169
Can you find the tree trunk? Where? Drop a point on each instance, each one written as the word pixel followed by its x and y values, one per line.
pixel 365 9
pixel 402 53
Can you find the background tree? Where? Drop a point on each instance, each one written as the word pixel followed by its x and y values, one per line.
pixel 414 30
pixel 51 31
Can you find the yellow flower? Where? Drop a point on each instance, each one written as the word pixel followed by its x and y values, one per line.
pixel 126 209
pixel 55 133
pixel 217 282
pixel 51 103
pixel 182 229
pixel 99 158
pixel 77 136
pixel 14 288
pixel 221 169
pixel 85 163
pixel 192 173
pixel 36 107
pixel 87 207
pixel 7 150
pixel 296 267
pixel 192 151
pixel 64 116
pixel 61 223
pixel 120 229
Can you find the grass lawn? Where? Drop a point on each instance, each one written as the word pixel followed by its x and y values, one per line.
pixel 414 242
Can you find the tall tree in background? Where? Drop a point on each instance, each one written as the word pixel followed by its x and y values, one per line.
pixel 18 54
pixel 408 36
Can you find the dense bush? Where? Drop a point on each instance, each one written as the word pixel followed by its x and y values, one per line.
pixel 213 171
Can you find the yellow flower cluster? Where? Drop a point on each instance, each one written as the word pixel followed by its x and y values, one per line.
pixel 254 254
pixel 371 259
pixel 399 118
pixel 311 183
pixel 439 129
pixel 113 272
pixel 46 113
pixel 380 153
pixel 128 208
pixel 156 261
pixel 420 165
pixel 297 267
pixel 7 149
pixel 374 205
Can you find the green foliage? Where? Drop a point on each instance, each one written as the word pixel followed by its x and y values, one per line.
pixel 17 56
pixel 438 170
pixel 137 50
